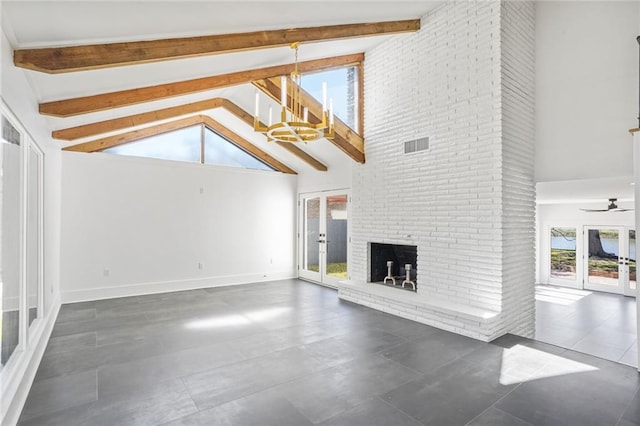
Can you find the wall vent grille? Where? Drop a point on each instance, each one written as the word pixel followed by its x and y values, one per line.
pixel 416 145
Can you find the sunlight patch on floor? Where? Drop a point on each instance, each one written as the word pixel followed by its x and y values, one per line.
pixel 237 320
pixel 560 296
pixel 523 364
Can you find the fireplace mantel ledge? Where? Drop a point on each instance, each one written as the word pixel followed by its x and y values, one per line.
pixel 411 298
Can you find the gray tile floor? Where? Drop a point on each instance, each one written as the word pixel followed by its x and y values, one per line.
pixel 595 323
pixel 292 353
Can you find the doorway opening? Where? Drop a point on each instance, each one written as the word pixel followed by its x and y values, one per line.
pixel 324 237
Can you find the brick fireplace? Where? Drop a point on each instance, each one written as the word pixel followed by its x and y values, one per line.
pixel 465 81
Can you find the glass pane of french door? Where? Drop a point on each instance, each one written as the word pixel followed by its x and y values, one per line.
pixel 632 262
pixel 311 231
pixel 336 244
pixel 604 266
pixel 562 262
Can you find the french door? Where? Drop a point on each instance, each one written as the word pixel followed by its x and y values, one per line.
pixel 323 236
pixel 610 259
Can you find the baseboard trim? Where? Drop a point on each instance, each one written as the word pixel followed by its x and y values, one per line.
pixel 140 289
pixel 16 388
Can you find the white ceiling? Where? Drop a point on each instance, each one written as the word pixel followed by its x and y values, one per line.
pixel 30 24
pixel 585 191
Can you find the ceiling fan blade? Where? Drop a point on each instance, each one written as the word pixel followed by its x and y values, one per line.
pixel 594 210
pixel 617 209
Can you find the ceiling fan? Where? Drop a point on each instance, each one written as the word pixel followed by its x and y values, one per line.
pixel 612 207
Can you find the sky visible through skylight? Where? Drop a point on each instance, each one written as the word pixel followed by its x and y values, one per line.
pixel 184 145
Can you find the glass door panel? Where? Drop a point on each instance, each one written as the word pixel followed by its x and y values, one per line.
pixel 310 267
pixel 336 241
pixel 604 264
pixel 631 285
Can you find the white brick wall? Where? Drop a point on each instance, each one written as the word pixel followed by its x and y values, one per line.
pixel 518 188
pixel 454 201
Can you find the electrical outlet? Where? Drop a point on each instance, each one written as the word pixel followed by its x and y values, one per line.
pixel 202 190
pixel 199 265
pixel 105 272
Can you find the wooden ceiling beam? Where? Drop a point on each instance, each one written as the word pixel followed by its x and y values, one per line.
pixel 94 129
pixel 245 145
pixel 121 139
pixel 350 142
pixel 104 101
pixel 96 56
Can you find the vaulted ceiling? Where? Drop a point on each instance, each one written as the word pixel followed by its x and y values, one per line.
pixel 51 24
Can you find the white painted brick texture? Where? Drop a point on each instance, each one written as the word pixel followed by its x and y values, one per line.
pixel 518 188
pixel 454 201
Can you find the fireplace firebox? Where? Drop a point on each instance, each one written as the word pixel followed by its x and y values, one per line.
pixel 389 264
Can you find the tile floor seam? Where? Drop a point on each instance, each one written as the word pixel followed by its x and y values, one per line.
pixel 397 408
pixel 498 401
pixel 629 404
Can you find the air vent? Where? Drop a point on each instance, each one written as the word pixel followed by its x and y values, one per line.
pixel 416 145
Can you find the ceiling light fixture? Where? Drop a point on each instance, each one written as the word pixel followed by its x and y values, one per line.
pixel 294 125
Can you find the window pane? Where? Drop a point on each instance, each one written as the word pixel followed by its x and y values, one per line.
pixel 341 87
pixel 632 259
pixel 218 150
pixel 563 253
pixel 179 145
pixel 312 232
pixel 603 257
pixel 336 246
pixel 9 241
pixel 33 233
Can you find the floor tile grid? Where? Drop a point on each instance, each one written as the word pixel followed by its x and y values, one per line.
pixel 375 338
pixel 293 379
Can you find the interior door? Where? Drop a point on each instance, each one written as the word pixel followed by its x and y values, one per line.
pixel 608 261
pixel 323 236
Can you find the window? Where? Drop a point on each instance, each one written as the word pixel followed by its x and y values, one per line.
pixel 179 145
pixel 342 87
pixel 189 144
pixel 563 253
pixel 218 150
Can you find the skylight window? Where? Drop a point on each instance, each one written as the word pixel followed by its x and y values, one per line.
pixel 218 150
pixel 179 145
pixel 342 87
pixel 191 144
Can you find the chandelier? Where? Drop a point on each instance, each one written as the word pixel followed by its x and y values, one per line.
pixel 294 125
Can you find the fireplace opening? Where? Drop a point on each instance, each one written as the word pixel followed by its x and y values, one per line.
pixel 389 264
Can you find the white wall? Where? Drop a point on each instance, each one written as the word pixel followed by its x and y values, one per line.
pixel 586 88
pixel 135 226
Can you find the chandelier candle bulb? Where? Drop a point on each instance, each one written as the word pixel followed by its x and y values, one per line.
pixel 306 114
pixel 283 93
pixel 324 96
pixel 270 115
pixel 257 104
pixel 331 112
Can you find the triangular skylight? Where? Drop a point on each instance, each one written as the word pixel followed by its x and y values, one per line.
pixel 188 144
